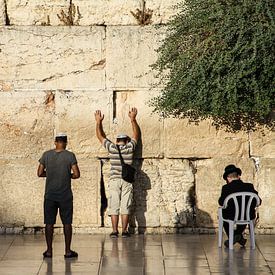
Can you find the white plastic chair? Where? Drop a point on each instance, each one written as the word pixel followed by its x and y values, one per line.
pixel 244 218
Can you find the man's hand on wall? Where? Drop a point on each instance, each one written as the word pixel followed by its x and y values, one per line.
pixel 98 116
pixel 133 113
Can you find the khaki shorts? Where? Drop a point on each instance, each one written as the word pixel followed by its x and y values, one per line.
pixel 120 197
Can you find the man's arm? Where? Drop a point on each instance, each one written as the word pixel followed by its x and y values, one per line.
pixel 41 171
pixel 76 172
pixel 99 127
pixel 135 126
pixel 222 197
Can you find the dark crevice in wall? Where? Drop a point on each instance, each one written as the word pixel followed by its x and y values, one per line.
pixel 103 198
pixel 7 20
pixel 192 200
pixel 114 106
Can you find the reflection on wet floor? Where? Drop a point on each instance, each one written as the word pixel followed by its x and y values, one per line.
pixel 140 254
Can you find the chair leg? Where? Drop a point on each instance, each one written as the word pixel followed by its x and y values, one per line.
pixel 231 235
pixel 220 232
pixel 252 234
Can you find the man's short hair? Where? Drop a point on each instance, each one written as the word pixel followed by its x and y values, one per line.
pixel 233 175
pixel 61 138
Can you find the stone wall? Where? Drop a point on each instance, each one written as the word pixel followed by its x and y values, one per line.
pixel 54 75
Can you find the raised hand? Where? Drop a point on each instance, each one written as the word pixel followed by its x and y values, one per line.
pixel 98 116
pixel 133 113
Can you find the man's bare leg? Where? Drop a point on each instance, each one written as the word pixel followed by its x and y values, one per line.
pixel 49 239
pixel 115 219
pixel 125 221
pixel 68 237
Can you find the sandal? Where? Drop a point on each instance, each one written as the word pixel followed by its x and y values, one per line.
pixel 114 235
pixel 47 255
pixel 72 254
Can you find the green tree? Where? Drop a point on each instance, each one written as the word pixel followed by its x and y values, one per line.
pixel 218 61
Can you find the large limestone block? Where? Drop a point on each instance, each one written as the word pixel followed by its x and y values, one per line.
pixel 52 58
pixel 2 13
pixel 26 124
pixel 209 183
pixel 161 193
pixel 35 12
pixel 177 183
pixel 202 141
pixel 100 12
pixel 85 192
pixel 266 188
pixel 119 12
pixel 130 51
pixel 106 12
pixel 75 116
pixel 21 193
pixel 150 124
pixel 262 143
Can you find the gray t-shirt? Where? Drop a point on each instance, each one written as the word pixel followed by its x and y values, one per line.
pixel 58 174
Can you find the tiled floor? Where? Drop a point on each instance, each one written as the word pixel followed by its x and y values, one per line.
pixel 148 254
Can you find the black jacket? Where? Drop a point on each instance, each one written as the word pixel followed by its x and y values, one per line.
pixel 233 187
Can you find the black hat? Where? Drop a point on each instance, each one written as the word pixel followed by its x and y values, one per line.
pixel 231 169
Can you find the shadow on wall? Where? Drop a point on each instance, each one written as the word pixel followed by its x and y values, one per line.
pixel 139 207
pixel 194 217
pixel 140 191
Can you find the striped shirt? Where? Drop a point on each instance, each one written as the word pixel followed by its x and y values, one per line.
pixel 127 152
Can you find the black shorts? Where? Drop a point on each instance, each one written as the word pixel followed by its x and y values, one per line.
pixel 65 211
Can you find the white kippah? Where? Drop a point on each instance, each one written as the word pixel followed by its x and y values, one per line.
pixel 61 135
pixel 122 136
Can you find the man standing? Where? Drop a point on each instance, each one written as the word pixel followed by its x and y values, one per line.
pixel 235 184
pixel 59 166
pixel 120 191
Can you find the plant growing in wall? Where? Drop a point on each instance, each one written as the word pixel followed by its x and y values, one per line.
pixel 46 23
pixel 143 15
pixel 218 61
pixel 72 17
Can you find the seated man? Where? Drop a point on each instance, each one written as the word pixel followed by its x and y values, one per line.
pixel 235 184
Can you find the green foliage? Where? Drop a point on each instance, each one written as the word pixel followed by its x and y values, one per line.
pixel 218 61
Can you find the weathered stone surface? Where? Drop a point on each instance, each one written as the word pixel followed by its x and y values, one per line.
pixel 75 116
pixel 52 58
pixel 100 12
pixel 162 10
pixel 266 188
pixel 202 141
pixel 150 124
pixel 209 183
pixel 105 12
pixel 86 191
pixel 161 193
pixel 262 143
pixel 26 125
pixel 2 13
pixel 130 51
pixel 22 194
pixel 35 12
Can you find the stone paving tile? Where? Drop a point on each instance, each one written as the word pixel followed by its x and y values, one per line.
pixel 141 255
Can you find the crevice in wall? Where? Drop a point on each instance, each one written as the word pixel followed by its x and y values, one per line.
pixel 7 19
pixel 255 159
pixel 192 200
pixel 114 107
pixel 103 198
